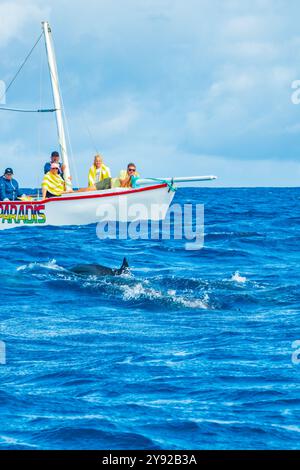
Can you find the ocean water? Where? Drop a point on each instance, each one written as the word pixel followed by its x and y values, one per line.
pixel 192 350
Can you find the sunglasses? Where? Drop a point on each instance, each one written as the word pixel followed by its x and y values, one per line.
pixel 131 169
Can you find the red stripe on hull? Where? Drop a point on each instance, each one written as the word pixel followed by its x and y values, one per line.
pixel 92 196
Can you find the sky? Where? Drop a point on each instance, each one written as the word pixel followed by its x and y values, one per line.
pixel 180 87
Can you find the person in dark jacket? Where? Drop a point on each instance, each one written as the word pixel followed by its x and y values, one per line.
pixel 54 159
pixel 9 187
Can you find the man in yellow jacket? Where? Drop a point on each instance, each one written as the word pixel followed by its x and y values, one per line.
pixel 98 171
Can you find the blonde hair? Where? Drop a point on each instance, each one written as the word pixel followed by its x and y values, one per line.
pixel 96 158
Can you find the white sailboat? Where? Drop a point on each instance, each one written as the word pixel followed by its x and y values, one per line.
pixel 149 200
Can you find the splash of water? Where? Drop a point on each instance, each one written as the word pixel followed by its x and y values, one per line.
pixel 236 277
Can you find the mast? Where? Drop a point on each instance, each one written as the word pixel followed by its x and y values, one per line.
pixel 57 102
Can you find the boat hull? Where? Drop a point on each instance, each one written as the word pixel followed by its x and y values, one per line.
pixel 122 204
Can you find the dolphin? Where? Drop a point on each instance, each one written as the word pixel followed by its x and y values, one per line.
pixel 99 270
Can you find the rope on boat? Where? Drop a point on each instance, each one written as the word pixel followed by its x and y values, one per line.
pixel 170 184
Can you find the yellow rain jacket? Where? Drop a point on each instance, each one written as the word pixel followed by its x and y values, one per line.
pixel 54 184
pixel 104 173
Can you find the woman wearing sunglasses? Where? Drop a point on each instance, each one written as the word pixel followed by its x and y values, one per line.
pixel 53 185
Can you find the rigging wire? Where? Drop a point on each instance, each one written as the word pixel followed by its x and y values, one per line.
pixel 70 145
pixel 50 110
pixel 21 66
pixel 83 118
pixel 2 108
pixel 39 126
pixel 66 124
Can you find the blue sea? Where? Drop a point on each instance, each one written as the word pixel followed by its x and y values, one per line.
pixel 191 350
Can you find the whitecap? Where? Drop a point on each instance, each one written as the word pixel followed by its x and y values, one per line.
pixel 139 291
pixel 236 277
pixel 51 265
pixel 16 442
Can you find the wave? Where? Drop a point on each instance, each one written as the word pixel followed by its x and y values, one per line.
pixel 36 266
pixel 91 438
pixel 139 291
pixel 190 337
pixel 154 292
pixel 127 287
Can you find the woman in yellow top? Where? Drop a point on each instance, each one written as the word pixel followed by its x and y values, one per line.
pixel 98 171
pixel 124 180
pixel 53 185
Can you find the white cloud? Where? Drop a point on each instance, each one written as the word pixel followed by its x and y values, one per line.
pixel 162 78
pixel 113 118
pixel 10 152
pixel 256 50
pixel 16 19
pixel 242 174
pixel 245 26
pixel 293 129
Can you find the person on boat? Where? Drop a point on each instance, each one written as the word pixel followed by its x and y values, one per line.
pixel 98 171
pixel 54 159
pixel 53 184
pixel 9 187
pixel 124 180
